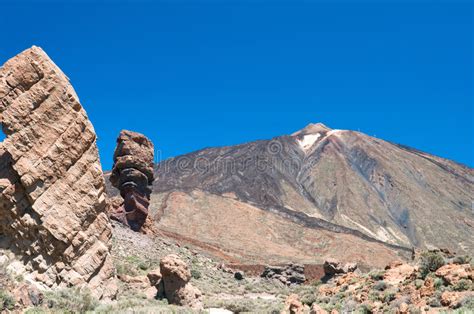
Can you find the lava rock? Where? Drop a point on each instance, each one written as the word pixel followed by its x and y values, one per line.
pixel 132 174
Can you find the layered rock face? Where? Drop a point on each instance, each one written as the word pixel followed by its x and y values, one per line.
pixel 52 201
pixel 132 174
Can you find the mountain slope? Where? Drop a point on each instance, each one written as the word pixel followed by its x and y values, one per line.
pixel 319 181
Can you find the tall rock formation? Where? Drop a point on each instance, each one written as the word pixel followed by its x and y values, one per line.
pixel 132 174
pixel 52 201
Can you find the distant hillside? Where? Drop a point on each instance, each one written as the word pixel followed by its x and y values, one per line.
pixel 314 194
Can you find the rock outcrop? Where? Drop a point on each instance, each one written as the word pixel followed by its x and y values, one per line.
pixel 132 174
pixel 52 200
pixel 288 274
pixel 333 267
pixel 177 289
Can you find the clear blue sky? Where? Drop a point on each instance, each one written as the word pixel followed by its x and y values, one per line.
pixel 194 74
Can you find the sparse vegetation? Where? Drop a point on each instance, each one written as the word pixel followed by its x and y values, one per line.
pixel 380 285
pixel 430 262
pixel 6 301
pixel 376 274
pixel 71 300
pixel 463 285
pixel 196 274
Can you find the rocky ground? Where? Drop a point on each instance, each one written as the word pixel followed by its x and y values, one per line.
pixel 435 282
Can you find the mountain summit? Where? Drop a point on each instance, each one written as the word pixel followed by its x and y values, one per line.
pixel 314 194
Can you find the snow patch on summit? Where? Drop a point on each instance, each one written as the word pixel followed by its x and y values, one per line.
pixel 308 141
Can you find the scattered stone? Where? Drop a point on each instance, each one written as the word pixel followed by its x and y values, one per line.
pixel 52 190
pixel 177 289
pixel 224 268
pixel 288 274
pixel 132 174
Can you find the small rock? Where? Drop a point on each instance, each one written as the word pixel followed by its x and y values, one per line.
pixel 316 309
pixel 154 276
pixel 293 305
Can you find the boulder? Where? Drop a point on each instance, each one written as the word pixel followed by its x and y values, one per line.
pixel 333 267
pixel 453 298
pixel 453 273
pixel 132 174
pixel 175 277
pixel 27 295
pixel 154 277
pixel 293 305
pixel 399 272
pixel 52 191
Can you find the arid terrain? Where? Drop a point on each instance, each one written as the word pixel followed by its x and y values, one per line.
pixel 320 221
pixel 315 194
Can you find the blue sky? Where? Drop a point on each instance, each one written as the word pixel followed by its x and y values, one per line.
pixel 194 74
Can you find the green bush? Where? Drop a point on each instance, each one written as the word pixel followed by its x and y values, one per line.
pixel 196 274
pixel 430 262
pixel 71 300
pixel 376 274
pixel 365 309
pixel 467 303
pixel 463 285
pixel 6 301
pixel 464 259
pixel 438 283
pixel 380 285
pixel 419 283
pixel 388 296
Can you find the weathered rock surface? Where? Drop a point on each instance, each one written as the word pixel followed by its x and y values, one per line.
pixel 132 174
pixel 453 273
pixel 333 267
pixel 288 274
pixel 177 289
pixel 293 305
pixel 52 200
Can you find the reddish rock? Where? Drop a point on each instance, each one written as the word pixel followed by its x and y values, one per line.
pixel 397 273
pixel 132 174
pixel 333 267
pixel 452 298
pixel 175 277
pixel 316 309
pixel 293 305
pixel 428 288
pixel 452 273
pixel 154 277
